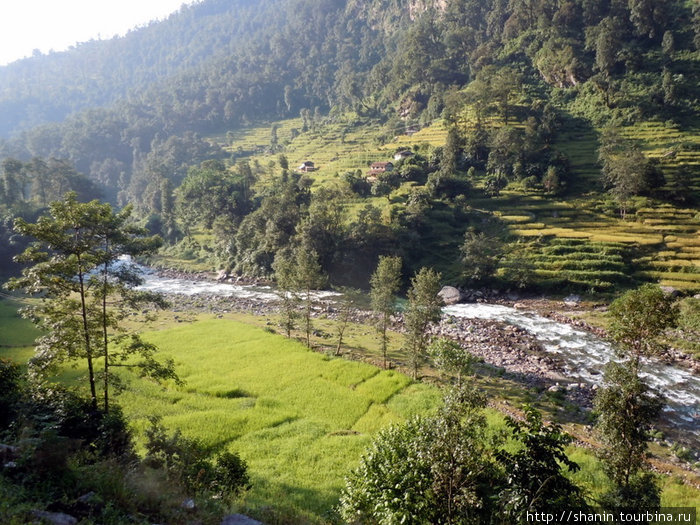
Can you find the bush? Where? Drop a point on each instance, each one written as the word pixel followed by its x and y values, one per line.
pixel 231 474
pixel 186 461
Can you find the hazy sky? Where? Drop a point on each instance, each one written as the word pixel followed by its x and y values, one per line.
pixel 26 25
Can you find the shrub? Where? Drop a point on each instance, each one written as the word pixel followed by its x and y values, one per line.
pixel 231 474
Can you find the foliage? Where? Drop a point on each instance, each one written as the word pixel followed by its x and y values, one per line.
pixel 431 470
pixel 535 481
pixel 424 309
pixel 626 408
pixel 481 253
pixel 74 270
pixel 626 171
pixel 187 461
pixel 348 302
pixel 639 316
pixel 385 283
pixel 450 357
pixel 298 274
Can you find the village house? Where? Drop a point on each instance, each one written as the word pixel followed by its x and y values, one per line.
pixel 306 167
pixel 380 167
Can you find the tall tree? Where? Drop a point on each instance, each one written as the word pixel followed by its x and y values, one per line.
pixel 83 295
pixel 638 317
pixel 385 283
pixel 298 275
pixel 626 405
pixel 424 309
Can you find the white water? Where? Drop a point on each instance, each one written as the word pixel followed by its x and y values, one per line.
pixel 584 354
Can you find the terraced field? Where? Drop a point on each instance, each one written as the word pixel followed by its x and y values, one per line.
pixel 670 145
pixel 657 242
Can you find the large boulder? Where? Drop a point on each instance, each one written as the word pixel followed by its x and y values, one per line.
pixel 450 295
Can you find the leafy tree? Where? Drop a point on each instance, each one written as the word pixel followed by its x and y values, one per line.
pixel 385 283
pixel 638 317
pixel 210 192
pixel 308 277
pixel 84 296
pixel 450 357
pixel 424 308
pixel 298 274
pixel 432 470
pixel 668 85
pixel 451 152
pixel 626 408
pixel 348 302
pixel 481 254
pixel 283 267
pixel 626 170
pixel 535 481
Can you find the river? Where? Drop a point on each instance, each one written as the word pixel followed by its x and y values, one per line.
pixel 584 354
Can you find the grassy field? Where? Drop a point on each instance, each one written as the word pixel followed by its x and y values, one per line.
pixel 17 335
pixel 299 418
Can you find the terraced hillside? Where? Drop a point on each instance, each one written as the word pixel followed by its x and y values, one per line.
pixel 657 241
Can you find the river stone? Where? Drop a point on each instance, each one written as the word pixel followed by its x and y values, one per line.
pixel 240 519
pixel 54 518
pixel 450 295
pixel 572 300
pixel 222 275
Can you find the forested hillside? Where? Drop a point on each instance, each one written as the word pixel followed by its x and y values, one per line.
pixel 540 96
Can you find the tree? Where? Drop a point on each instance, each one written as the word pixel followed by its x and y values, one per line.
pixel 626 408
pixel 309 277
pixel 627 405
pixel 451 152
pixel 424 308
pixel 298 274
pixel 450 357
pixel 481 254
pixel 535 481
pixel 626 170
pixel 84 294
pixel 638 317
pixel 348 301
pixel 431 470
pixel 385 283
pixel 283 267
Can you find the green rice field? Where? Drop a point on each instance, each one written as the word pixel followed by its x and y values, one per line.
pixel 300 419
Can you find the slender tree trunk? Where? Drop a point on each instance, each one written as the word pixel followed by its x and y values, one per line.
pixel 104 342
pixel 308 317
pixel 86 334
pixel 384 323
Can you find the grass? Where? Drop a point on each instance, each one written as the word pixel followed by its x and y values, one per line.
pixel 14 330
pixel 299 418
